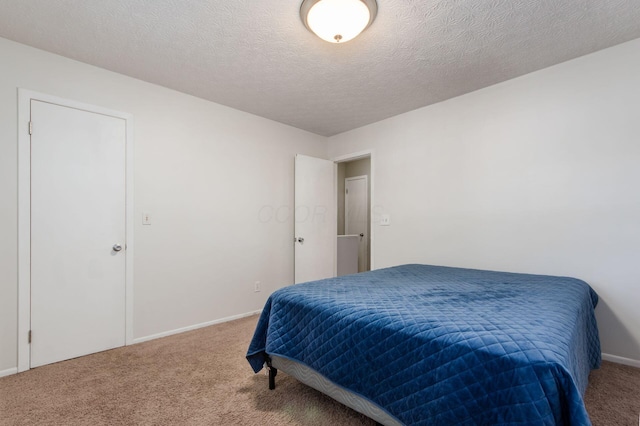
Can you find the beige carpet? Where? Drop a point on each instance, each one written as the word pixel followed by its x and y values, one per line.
pixel 202 378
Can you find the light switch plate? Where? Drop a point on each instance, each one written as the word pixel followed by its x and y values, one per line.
pixel 385 220
pixel 146 218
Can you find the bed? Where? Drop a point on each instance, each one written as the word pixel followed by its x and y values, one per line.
pixel 433 345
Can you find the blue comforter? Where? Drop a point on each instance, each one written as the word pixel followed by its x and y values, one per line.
pixel 443 346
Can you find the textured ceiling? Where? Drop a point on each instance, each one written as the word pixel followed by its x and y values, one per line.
pixel 257 56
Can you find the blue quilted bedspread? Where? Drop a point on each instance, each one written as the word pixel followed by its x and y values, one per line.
pixel 443 346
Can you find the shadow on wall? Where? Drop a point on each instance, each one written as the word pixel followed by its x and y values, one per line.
pixel 613 330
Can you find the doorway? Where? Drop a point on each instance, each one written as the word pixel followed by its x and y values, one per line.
pixel 354 212
pixel 319 216
pixel 75 242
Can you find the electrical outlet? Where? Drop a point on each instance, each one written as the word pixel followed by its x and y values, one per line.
pixel 256 287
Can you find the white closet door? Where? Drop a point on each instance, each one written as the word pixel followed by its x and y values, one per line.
pixel 77 224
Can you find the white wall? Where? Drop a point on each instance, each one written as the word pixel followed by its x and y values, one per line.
pixel 539 174
pixel 203 171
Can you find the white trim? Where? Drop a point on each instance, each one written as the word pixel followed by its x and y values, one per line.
pixel 24 215
pixel 129 226
pixel 369 153
pixel 195 327
pixel 24 229
pixel 8 372
pixel 353 156
pixel 621 360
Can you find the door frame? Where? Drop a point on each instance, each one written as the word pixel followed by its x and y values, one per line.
pixel 24 215
pixel 369 153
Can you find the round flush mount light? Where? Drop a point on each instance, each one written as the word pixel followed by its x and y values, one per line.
pixel 338 21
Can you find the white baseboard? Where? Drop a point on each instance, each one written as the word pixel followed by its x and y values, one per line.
pixel 194 327
pixel 621 360
pixel 8 372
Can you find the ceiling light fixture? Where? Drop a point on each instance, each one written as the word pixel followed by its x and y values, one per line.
pixel 338 21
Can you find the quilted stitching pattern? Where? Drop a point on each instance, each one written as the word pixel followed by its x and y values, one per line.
pixel 436 345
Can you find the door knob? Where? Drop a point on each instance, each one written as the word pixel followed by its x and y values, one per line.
pixel 301 240
pixel 361 234
pixel 117 247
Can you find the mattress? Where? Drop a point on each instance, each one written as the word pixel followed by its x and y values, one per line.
pixel 437 345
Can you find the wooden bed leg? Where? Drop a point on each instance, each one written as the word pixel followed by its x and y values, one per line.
pixel 272 375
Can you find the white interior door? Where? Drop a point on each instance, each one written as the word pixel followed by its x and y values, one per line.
pixel 77 222
pixel 316 223
pixel 356 203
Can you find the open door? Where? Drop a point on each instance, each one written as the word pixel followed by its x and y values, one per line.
pixel 315 219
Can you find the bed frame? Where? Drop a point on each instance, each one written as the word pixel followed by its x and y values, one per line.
pixel 320 383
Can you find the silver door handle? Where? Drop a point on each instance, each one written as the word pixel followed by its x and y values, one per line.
pixel 301 240
pixel 117 247
pixel 361 234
